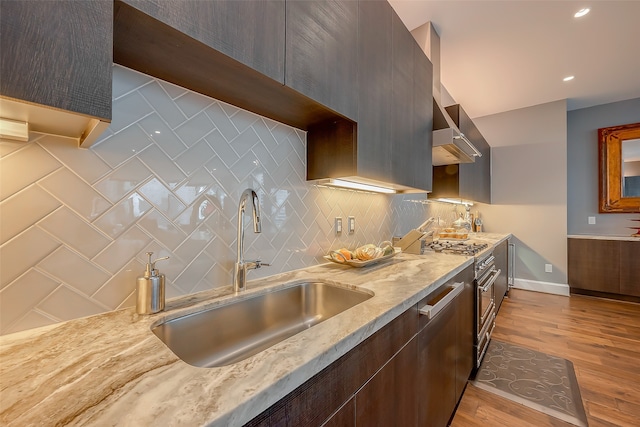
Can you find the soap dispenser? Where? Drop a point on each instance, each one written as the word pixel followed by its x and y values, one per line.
pixel 150 289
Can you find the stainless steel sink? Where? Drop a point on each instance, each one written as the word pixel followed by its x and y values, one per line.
pixel 230 333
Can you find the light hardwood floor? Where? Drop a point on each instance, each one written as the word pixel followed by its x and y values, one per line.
pixel 602 339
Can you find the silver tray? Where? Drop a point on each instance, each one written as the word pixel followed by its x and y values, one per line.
pixel 359 263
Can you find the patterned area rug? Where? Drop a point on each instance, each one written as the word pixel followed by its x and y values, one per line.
pixel 545 383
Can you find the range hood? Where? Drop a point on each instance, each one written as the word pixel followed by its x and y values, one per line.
pixel 450 146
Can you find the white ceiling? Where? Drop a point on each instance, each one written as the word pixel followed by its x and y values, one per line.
pixel 499 56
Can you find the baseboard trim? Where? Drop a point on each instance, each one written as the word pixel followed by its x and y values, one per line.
pixel 546 287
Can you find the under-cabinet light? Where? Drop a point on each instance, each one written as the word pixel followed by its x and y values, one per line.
pixel 581 12
pixel 357 186
pixel 454 201
pixel 568 78
pixel 14 130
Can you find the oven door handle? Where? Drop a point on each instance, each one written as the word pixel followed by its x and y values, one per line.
pixel 432 310
pixel 492 280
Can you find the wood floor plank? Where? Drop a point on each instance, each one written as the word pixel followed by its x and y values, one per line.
pixel 600 337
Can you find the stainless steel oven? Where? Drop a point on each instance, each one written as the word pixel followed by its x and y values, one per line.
pixel 486 274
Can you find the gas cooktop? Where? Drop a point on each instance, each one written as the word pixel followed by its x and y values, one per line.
pixel 456 247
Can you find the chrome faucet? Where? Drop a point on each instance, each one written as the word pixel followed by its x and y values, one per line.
pixel 242 266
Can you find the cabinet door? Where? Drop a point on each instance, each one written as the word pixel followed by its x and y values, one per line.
pixel 465 331
pixel 419 154
pixel 630 268
pixel 321 39
pixel 344 417
pixel 402 130
pixel 251 32
pixel 374 108
pixel 594 265
pixel 390 397
pixel 58 54
pixel 437 369
pixel 502 261
pixel 475 178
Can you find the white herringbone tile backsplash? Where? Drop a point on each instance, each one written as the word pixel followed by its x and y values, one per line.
pixel 165 177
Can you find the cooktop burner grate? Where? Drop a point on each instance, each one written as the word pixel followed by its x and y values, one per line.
pixel 456 247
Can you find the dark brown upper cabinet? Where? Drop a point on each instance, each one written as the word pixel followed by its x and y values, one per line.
pixel 57 59
pixel 469 181
pixel 231 51
pixel 375 108
pixel 419 155
pixel 321 39
pixel 391 144
pixel 250 32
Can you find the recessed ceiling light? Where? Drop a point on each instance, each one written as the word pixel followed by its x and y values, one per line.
pixel 581 12
pixel 568 78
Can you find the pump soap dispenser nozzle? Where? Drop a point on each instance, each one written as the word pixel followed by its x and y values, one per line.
pixel 150 288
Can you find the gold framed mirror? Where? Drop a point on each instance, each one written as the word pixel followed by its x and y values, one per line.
pixel 619 169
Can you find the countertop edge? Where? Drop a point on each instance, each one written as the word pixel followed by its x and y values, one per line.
pixel 603 237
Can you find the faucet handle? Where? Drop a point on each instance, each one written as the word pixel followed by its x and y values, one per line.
pixel 252 265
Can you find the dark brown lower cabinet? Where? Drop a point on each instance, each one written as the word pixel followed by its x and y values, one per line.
pixel 607 268
pixel 500 286
pixel 396 377
pixel 630 268
pixel 437 369
pixel 465 330
pixel 343 417
pixel 390 398
pixel 445 357
pixel 594 265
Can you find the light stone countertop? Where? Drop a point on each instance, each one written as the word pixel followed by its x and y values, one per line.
pixel 601 237
pixel 110 369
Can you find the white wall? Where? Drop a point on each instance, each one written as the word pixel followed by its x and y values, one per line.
pixel 529 187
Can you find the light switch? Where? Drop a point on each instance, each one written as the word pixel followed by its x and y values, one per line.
pixel 548 268
pixel 352 224
pixel 338 225
pixel 592 220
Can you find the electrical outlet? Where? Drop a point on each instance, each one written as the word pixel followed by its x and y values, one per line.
pixel 351 224
pixel 338 225
pixel 591 220
pixel 548 268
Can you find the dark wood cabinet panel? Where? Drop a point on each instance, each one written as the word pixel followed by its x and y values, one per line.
pixel 251 32
pixel 419 155
pixel 465 330
pixel 402 103
pixel 501 252
pixel 374 106
pixel 321 41
pixel 436 370
pixel 630 268
pixel 446 354
pixel 344 417
pixel 144 42
pixel 392 141
pixel 475 178
pixel 390 397
pixel 594 265
pixel 58 54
